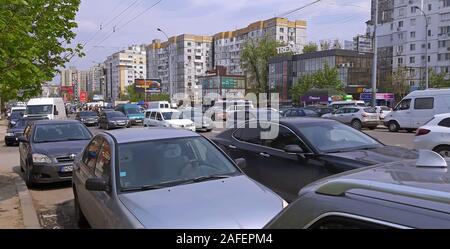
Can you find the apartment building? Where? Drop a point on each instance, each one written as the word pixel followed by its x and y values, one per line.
pixel 67 76
pixel 404 41
pixel 228 45
pixel 179 62
pixel 121 70
pixel 96 79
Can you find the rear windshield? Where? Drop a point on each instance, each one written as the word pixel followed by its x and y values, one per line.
pixel 370 110
pixel 114 114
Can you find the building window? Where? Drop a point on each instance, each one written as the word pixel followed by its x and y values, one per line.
pixel 412 47
pixel 429 7
pixel 401 11
pixel 429 45
pixel 281 38
pixel 446 3
pixel 412 22
pixel 413 9
pixel 429 32
pixel 400 61
pixel 413 34
pixel 282 30
pixel 412 59
pixel 400 24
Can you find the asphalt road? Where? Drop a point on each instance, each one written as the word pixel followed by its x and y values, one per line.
pixel 54 202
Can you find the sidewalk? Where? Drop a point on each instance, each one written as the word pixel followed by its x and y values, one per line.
pixel 16 206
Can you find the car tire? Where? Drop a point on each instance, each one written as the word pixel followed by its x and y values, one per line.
pixel 80 219
pixel 393 126
pixel 443 150
pixel 356 124
pixel 28 176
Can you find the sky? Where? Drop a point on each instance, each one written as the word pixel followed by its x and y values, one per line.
pixel 126 22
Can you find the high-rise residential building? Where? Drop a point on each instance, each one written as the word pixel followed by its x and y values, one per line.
pixel 228 45
pixel 179 62
pixel 404 41
pixel 122 69
pixel 67 76
pixel 96 80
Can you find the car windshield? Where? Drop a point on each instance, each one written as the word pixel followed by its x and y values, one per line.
pixel 133 111
pixel 329 137
pixel 172 115
pixel 21 123
pixel 88 114
pixel 16 115
pixel 39 109
pixel 47 133
pixel 171 162
pixel 115 114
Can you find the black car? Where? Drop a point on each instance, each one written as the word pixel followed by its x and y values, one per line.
pixel 288 155
pixel 87 117
pixel 13 134
pixel 300 112
pixel 48 149
pixel 15 116
pixel 320 110
pixel 113 119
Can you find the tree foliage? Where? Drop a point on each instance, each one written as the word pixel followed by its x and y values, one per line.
pixel 133 96
pixel 438 80
pixel 399 82
pixel 35 39
pixel 310 47
pixel 254 60
pixel 326 79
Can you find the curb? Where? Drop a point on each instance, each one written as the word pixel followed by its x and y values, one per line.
pixel 30 218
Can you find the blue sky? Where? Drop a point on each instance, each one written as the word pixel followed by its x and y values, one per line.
pixel 329 19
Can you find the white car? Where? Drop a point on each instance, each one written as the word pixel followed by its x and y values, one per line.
pixel 435 135
pixel 167 118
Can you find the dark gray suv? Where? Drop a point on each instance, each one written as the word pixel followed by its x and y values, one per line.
pixel 408 194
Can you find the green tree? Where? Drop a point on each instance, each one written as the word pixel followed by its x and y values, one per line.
pixel 438 80
pixel 399 82
pixel 304 84
pixel 159 97
pixel 310 47
pixel 36 38
pixel 254 60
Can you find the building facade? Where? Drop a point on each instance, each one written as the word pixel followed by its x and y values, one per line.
pixel 179 62
pixel 218 84
pixel 354 70
pixel 96 80
pixel 360 43
pixel 228 45
pixel 404 41
pixel 122 69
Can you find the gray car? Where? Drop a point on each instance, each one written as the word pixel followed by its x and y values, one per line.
pixel 159 178
pixel 357 117
pixel 201 121
pixel 408 194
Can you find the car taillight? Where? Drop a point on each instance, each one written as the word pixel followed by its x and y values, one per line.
pixel 421 132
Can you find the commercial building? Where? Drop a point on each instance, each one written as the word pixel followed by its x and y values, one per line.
pixel 179 62
pixel 228 45
pixel 404 41
pixel 360 43
pixel 122 69
pixel 354 70
pixel 218 84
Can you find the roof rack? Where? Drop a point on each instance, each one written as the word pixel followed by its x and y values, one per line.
pixel 339 187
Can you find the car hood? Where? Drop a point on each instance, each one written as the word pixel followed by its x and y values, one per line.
pixel 360 158
pixel 14 130
pixel 60 148
pixel 179 122
pixel 234 203
pixel 88 117
pixel 118 119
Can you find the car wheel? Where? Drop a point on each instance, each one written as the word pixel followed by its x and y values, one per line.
pixel 356 124
pixel 29 176
pixel 80 219
pixel 443 150
pixel 393 126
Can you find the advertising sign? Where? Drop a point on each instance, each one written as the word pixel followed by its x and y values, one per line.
pixel 380 96
pixel 83 97
pixel 152 86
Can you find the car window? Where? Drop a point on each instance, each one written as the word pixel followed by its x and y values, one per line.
pixel 404 105
pixel 103 165
pixel 424 103
pixel 91 153
pixel 249 135
pixel 445 123
pixel 285 138
pixel 370 110
pixel 153 115
pixel 345 223
pixel 309 112
pixel 340 111
pixel 147 114
pixel 27 132
pixel 159 116
pixel 288 113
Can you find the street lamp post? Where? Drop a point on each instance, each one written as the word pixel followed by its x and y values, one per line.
pixel 168 68
pixel 426 46
pixel 375 58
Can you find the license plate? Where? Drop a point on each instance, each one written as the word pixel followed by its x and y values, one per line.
pixel 91 122
pixel 67 168
pixel 138 121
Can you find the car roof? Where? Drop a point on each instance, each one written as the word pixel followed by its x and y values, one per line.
pixel 401 174
pixel 61 121
pixel 124 136
pixel 161 110
pixel 299 121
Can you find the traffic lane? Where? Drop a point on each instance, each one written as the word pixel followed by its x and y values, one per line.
pixel 401 139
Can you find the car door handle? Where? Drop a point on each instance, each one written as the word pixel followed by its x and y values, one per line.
pixel 264 154
pixel 232 147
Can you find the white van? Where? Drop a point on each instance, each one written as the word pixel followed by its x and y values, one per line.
pixel 416 109
pixel 52 108
pixel 159 105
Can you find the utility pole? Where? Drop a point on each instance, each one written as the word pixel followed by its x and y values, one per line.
pixel 426 46
pixel 375 57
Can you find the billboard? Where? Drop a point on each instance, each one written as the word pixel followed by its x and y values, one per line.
pixel 83 96
pixel 152 86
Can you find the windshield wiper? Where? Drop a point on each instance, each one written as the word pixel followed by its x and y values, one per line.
pixel 156 186
pixel 211 177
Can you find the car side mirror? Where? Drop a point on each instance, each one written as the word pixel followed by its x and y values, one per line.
pixel 96 184
pixel 241 163
pixel 293 149
pixel 23 139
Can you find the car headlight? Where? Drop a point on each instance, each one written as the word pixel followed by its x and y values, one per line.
pixel 39 158
pixel 82 120
pixel 13 122
pixel 285 204
pixel 10 134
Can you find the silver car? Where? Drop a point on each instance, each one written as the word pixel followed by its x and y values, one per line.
pixel 202 122
pixel 357 117
pixel 166 179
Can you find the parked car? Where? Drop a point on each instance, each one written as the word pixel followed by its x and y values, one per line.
pixel 168 118
pixel 299 112
pixel 321 110
pixel 289 154
pixel 398 195
pixel 133 113
pixel 357 117
pixel 196 115
pixel 50 108
pixel 383 111
pixel 18 109
pixel 14 118
pixel 435 135
pixel 261 114
pixel 88 117
pixel 112 120
pixel 417 108
pixel 190 183
pixel 14 133
pixel 48 148
pixel 223 109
